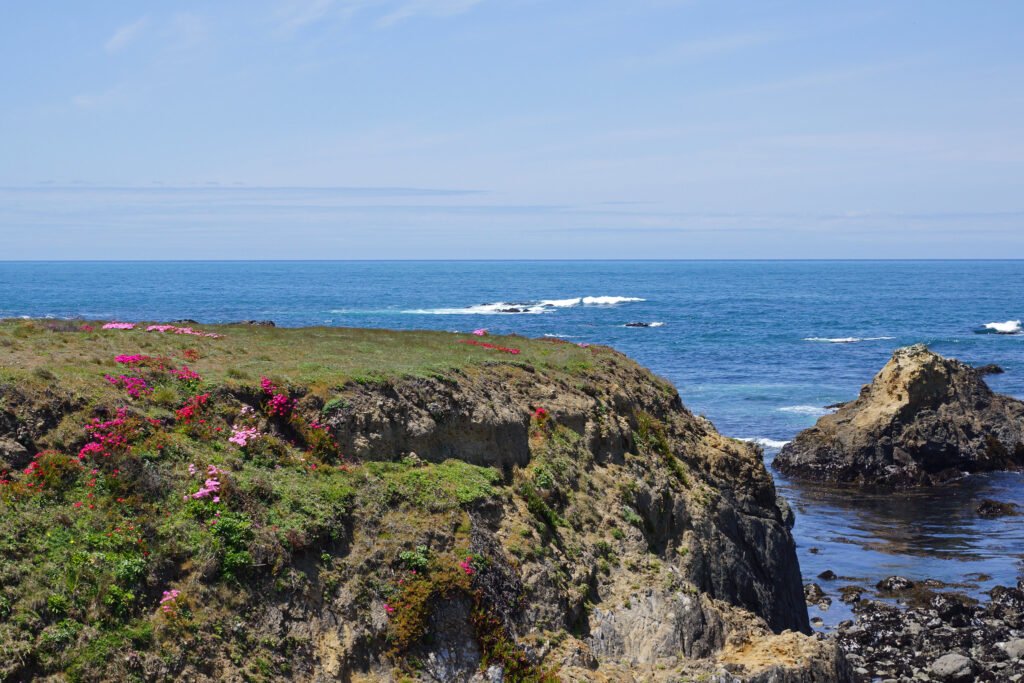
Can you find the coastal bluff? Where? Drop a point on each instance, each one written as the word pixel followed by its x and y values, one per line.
pixel 252 503
pixel 923 419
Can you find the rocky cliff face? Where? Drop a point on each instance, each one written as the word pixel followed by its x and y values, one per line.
pixel 923 419
pixel 495 521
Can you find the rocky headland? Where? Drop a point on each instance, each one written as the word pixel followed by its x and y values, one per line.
pixel 247 503
pixel 923 419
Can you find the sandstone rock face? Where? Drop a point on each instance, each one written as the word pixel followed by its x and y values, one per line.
pixel 922 420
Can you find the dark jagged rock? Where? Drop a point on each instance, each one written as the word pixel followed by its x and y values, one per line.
pixel 990 369
pixel 924 419
pixel 814 595
pixel 851 594
pixel 827 575
pixel 994 508
pixel 894 584
pixel 947 637
pixel 255 323
pixel 638 324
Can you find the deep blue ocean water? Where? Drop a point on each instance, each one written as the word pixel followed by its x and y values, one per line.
pixel 754 346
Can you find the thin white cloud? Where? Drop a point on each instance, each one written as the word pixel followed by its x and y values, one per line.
pixel 295 15
pixel 433 8
pixel 704 48
pixel 125 35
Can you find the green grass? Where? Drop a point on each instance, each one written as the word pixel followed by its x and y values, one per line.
pixel 331 357
pixel 87 555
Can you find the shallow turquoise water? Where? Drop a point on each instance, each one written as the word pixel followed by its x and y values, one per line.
pixel 745 342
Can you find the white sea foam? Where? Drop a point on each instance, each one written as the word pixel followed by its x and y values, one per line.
pixel 497 308
pixel 845 340
pixel 764 442
pixel 529 307
pixel 638 325
pixel 1008 327
pixel 559 336
pixel 609 300
pixel 806 410
pixel 561 303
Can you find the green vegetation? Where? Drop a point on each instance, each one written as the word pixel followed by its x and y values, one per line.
pixel 115 540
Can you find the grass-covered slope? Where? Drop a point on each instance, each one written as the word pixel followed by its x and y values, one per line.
pixel 246 503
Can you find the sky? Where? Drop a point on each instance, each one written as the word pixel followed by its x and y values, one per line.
pixel 490 129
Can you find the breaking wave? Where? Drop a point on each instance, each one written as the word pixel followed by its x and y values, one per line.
pixel 817 411
pixel 765 442
pixel 526 307
pixel 1008 327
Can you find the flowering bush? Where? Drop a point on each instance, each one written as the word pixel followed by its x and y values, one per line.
pixel 190 355
pixel 241 436
pixel 482 332
pixel 169 601
pixel 279 404
pixel 193 408
pixel 187 375
pixel 110 436
pixel 134 359
pixel 119 326
pixel 211 487
pixel 135 386
pixel 487 345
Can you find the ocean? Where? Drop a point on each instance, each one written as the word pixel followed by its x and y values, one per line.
pixel 758 347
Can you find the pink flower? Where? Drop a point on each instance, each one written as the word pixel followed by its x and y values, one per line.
pixel 480 332
pixel 119 326
pixel 241 436
pixel 388 608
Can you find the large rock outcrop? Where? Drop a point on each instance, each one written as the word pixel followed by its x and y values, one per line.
pixel 922 420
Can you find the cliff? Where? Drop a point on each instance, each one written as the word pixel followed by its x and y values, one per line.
pixel 923 419
pixel 243 503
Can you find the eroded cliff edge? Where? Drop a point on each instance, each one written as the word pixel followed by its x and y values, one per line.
pixel 465 514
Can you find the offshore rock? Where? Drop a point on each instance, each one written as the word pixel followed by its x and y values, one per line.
pixel 924 419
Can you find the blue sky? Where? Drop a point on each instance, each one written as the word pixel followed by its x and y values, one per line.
pixel 511 129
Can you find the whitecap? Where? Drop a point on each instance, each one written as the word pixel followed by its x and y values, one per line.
pixel 765 442
pixel 529 307
pixel 845 340
pixel 1008 327
pixel 561 303
pixel 609 300
pixel 806 410
pixel 497 308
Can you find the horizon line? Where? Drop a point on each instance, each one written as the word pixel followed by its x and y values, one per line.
pixel 531 260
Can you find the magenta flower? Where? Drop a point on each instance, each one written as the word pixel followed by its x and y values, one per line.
pixel 119 326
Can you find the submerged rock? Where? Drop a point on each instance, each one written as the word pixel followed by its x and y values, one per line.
pixel 994 508
pixel 924 419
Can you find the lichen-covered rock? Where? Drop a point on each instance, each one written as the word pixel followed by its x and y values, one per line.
pixel 922 420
